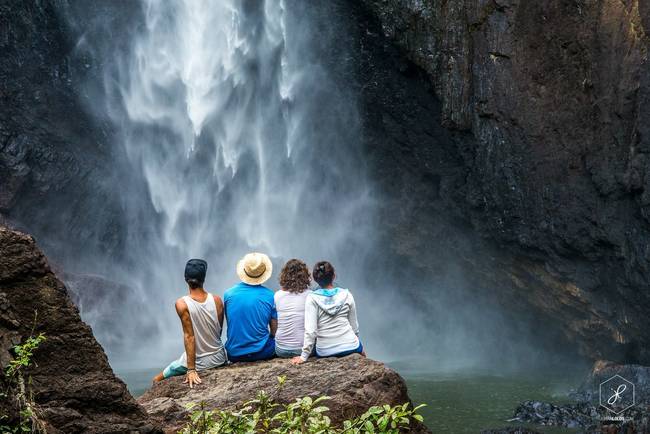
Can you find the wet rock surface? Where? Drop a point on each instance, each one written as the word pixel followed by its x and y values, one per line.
pixel 580 415
pixel 73 385
pixel 353 383
pixel 56 181
pixel 604 370
pixel 589 414
pixel 585 417
pixel 541 164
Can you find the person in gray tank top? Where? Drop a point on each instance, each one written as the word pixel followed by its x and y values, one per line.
pixel 201 315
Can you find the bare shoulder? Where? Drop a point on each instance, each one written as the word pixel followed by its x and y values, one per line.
pixel 181 306
pixel 218 300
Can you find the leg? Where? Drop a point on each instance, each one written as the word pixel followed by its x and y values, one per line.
pixel 268 352
pixel 286 354
pixel 175 368
pixel 358 350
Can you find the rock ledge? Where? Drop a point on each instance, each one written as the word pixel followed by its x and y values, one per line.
pixel 353 383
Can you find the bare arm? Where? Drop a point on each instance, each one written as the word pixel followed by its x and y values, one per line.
pixel 188 341
pixel 273 326
pixel 219 304
pixel 273 323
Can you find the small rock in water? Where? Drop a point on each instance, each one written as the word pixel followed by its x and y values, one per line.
pixel 584 416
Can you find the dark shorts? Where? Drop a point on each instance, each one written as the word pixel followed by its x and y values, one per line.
pixel 266 353
pixel 358 349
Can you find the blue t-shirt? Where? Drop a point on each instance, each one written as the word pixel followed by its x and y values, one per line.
pixel 249 309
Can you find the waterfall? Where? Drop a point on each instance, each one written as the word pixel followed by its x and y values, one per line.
pixel 243 140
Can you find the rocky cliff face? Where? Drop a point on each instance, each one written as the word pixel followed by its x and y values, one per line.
pixel 542 164
pixel 54 177
pixel 74 388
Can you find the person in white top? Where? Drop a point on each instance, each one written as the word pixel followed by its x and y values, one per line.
pixel 290 305
pixel 330 319
pixel 201 315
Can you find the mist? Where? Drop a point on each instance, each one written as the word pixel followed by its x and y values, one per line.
pixel 230 133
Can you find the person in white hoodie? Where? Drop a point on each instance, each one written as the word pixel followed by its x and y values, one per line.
pixel 330 319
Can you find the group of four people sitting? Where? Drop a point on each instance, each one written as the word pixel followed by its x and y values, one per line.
pixel 295 322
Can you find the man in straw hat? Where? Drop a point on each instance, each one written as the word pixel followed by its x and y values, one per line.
pixel 250 311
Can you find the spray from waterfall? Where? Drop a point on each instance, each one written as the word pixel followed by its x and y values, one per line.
pixel 235 126
pixel 243 141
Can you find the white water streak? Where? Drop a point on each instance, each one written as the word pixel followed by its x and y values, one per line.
pixel 222 114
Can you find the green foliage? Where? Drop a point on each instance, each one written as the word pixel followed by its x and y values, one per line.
pixel 23 355
pixel 26 420
pixel 303 416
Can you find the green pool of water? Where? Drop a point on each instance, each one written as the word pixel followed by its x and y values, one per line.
pixel 469 401
pixel 138 380
pixel 457 402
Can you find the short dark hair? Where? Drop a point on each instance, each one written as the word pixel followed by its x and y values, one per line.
pixel 294 276
pixel 323 273
pixel 194 283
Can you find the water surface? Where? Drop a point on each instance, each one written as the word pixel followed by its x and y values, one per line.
pixel 467 401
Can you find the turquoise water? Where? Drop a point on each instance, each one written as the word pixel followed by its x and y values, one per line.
pixel 457 402
pixel 471 400
pixel 137 380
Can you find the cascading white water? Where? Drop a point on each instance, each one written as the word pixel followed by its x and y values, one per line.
pixel 244 141
pixel 235 128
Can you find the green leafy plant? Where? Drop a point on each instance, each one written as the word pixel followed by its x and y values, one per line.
pixel 19 388
pixel 303 416
pixel 384 419
pixel 23 355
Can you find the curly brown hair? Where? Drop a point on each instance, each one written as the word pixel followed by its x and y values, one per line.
pixel 294 276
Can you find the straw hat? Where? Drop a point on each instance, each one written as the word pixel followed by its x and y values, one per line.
pixel 254 268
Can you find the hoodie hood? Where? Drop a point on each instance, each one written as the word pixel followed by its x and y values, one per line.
pixel 331 300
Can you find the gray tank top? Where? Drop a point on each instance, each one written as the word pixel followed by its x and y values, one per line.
pixel 207 333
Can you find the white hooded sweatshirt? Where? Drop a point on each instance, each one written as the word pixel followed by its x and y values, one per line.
pixel 330 322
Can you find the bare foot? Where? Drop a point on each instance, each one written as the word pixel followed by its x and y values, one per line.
pixel 158 378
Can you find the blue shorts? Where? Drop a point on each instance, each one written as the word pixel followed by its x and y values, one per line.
pixel 175 368
pixel 266 353
pixel 358 349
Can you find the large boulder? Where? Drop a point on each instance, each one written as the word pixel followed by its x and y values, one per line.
pixel 593 414
pixel 353 383
pixel 74 388
pixel 604 370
